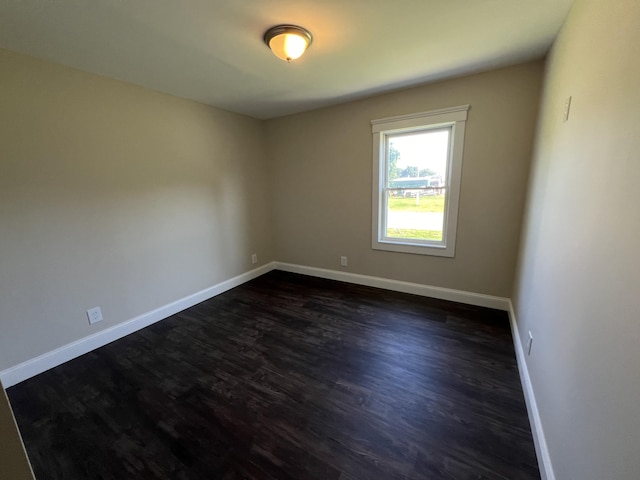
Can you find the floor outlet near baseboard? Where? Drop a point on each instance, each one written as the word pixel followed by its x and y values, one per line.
pixel 343 261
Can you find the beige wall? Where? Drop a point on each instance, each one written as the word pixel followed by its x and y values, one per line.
pixel 579 281
pixel 117 196
pixel 322 167
pixel 14 464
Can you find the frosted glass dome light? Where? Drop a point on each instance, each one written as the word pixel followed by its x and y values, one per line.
pixel 288 42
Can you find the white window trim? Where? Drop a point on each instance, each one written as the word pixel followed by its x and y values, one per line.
pixel 454 117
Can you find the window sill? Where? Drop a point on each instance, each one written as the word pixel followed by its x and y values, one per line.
pixel 417 249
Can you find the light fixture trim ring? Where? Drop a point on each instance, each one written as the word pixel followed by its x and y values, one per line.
pixel 283 29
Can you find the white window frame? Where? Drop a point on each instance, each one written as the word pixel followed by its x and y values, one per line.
pixel 454 118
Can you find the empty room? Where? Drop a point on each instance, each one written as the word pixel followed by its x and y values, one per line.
pixel 319 240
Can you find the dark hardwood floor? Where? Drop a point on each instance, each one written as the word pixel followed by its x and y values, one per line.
pixel 289 377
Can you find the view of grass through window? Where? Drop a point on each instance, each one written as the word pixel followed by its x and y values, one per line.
pixel 401 213
pixel 416 189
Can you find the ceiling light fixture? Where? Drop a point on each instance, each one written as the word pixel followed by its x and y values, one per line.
pixel 288 42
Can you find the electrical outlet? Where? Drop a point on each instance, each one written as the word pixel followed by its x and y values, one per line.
pixel 254 258
pixel 94 315
pixel 529 343
pixel 343 261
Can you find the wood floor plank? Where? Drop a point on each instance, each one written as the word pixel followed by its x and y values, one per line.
pixel 289 377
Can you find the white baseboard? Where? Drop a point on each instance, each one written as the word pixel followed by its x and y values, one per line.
pixel 44 362
pixel 542 451
pixel 478 299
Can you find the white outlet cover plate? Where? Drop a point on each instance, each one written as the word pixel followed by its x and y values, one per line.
pixel 94 315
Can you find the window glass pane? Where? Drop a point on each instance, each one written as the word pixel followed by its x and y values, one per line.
pixel 418 215
pixel 416 171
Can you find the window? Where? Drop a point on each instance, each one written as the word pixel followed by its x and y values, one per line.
pixel 417 165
